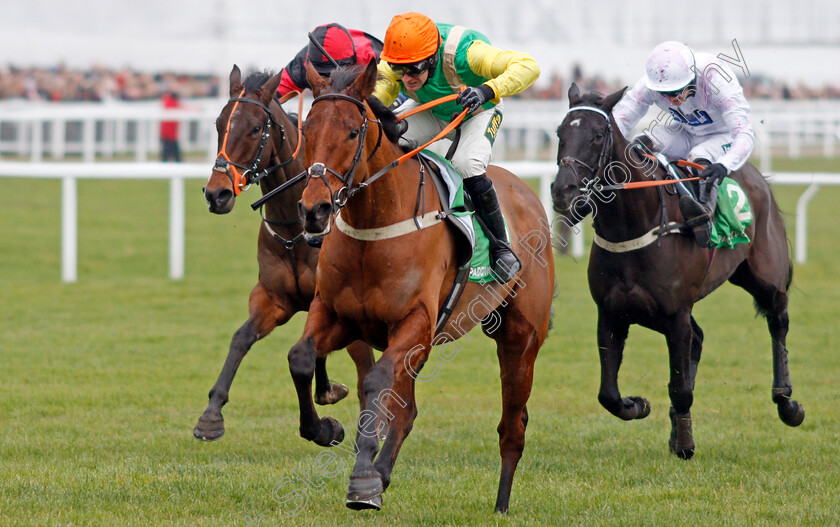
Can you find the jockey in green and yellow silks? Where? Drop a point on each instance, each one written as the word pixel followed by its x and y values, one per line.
pixel 426 61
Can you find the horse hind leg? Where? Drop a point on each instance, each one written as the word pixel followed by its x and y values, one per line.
pixel 265 316
pixel 517 345
pixel 772 302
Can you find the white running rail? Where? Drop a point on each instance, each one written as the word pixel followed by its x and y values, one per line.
pixel 176 173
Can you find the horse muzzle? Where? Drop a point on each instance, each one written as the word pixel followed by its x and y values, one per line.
pixel 563 193
pixel 220 200
pixel 317 219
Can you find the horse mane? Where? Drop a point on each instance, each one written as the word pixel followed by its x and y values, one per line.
pixel 255 80
pixel 343 76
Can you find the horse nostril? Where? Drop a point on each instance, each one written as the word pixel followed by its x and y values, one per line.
pixel 223 196
pixel 301 210
pixel 323 210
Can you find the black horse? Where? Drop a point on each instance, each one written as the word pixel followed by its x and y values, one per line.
pixel 638 277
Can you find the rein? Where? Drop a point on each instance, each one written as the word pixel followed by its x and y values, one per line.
pixel 340 197
pixel 250 174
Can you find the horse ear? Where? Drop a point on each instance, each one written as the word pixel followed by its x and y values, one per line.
pixel 574 95
pixel 611 100
pixel 235 81
pixel 315 80
pixel 366 82
pixel 267 90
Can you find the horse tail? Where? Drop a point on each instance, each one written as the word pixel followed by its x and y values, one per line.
pixel 554 295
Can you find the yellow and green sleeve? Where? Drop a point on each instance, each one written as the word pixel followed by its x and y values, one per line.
pixel 510 72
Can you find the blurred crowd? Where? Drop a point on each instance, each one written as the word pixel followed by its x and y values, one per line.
pixel 102 84
pixel 755 87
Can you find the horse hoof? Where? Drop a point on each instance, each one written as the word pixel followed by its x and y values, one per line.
pixel 641 405
pixel 685 453
pixel 365 493
pixel 374 503
pixel 791 413
pixel 332 433
pixel 209 427
pixel 681 442
pixel 337 392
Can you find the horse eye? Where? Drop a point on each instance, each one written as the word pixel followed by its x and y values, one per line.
pixel 354 133
pixel 600 136
pixel 255 130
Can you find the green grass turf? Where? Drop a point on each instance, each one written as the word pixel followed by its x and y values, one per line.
pixel 103 380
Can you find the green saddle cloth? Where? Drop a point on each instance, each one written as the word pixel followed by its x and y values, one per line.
pixel 732 216
pixel 480 270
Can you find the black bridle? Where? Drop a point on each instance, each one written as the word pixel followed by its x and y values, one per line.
pixel 251 174
pixel 590 185
pixel 606 149
pixel 339 198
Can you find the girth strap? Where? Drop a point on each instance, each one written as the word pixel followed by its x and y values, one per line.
pixel 640 242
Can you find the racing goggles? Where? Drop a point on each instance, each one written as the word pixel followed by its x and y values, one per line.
pixel 414 69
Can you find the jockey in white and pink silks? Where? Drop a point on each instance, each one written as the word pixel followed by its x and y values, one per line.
pixel 708 120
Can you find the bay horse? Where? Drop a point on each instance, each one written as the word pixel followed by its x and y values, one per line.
pixel 388 291
pixel 656 285
pixel 257 141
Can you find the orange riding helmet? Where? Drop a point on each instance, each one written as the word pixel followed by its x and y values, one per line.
pixel 410 37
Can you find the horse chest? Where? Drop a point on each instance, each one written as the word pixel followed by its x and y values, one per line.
pixel 385 296
pixel 621 290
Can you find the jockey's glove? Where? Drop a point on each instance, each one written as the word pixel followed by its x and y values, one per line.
pixel 714 173
pixel 473 97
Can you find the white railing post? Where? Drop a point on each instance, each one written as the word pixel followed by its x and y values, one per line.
pixel 37 147
pixel 765 155
pixel 141 146
pixel 545 193
pixel 802 222
pixel 577 241
pixel 176 228
pixel 89 140
pixel 58 139
pixel 69 226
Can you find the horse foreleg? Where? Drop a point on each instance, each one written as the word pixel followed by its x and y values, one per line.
pixel 681 386
pixel 696 352
pixel 265 315
pixel 322 334
pixel 327 392
pixel 390 409
pixel 611 337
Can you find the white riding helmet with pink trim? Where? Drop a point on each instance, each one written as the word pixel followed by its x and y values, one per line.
pixel 669 67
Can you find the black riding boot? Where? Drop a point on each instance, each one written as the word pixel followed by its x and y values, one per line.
pixel 504 262
pixel 697 212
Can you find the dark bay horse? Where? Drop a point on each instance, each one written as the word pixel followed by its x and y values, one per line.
pixel 257 140
pixel 388 291
pixel 656 285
